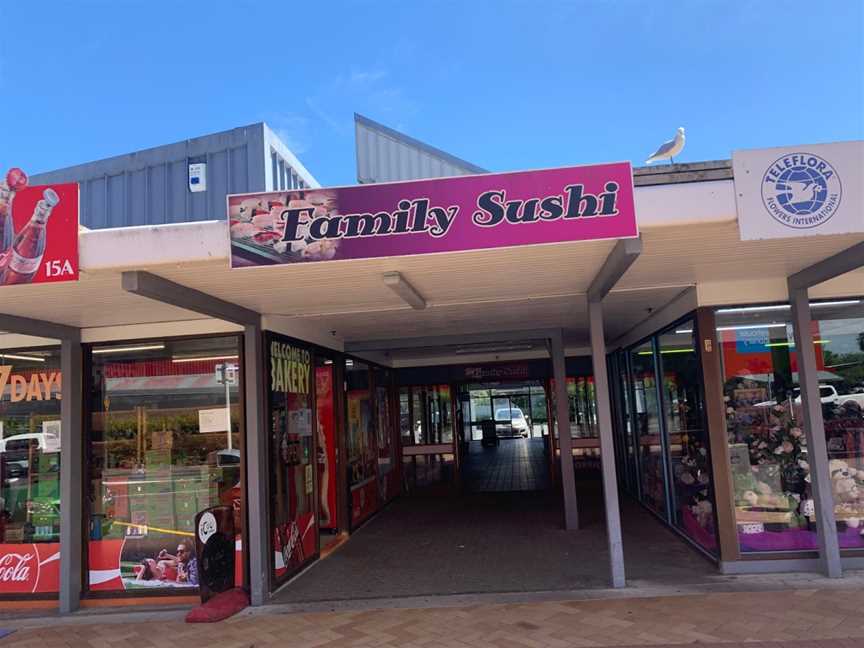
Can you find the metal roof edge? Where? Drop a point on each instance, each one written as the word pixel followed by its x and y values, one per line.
pixel 407 139
pixel 707 171
pixel 143 152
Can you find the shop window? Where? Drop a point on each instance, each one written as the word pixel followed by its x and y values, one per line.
pixel 625 419
pixel 768 451
pixel 539 412
pixel 387 483
pixel 164 442
pixel 325 415
pixel 652 486
pixel 30 470
pixel 405 430
pixel 583 408
pixel 430 415
pixel 362 442
pixel 686 436
pixel 293 456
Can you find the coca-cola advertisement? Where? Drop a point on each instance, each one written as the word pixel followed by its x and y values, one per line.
pixel 29 568
pixel 38 231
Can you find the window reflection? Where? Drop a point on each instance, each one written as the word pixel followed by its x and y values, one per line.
pixel 768 450
pixel 30 446
pixel 687 438
pixel 164 444
pixel 651 471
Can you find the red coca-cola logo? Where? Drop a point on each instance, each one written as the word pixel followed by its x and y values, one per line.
pixel 19 571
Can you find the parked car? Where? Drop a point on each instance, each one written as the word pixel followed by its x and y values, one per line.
pixel 45 442
pixel 828 395
pixel 518 426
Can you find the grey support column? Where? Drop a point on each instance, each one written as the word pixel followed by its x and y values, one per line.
pixel 71 471
pixel 562 419
pixel 607 449
pixel 814 431
pixel 622 256
pixel 257 483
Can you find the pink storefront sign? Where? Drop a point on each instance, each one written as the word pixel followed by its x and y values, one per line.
pixel 582 203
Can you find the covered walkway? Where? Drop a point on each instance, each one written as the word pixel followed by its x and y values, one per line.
pixel 494 543
pixel 514 465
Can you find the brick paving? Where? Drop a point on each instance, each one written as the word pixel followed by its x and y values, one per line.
pixel 816 618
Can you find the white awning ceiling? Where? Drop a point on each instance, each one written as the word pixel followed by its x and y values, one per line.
pixel 693 241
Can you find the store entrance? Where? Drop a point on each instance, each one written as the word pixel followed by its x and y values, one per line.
pixel 504 437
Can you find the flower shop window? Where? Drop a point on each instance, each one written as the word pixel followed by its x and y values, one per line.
pixel 689 459
pixel 768 450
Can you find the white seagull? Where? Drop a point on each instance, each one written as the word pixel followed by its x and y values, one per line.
pixel 668 150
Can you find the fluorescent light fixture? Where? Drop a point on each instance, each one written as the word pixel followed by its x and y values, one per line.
pixel 328 362
pixel 399 285
pixel 203 358
pixel 683 331
pixel 754 309
pixel 845 302
pixel 646 353
pixel 792 344
pixel 780 307
pixel 126 349
pixel 494 349
pixel 750 327
pixel 349 362
pixel 11 356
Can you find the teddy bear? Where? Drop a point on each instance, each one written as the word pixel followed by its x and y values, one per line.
pixel 844 485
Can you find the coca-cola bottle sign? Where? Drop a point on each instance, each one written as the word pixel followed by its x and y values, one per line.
pixel 38 231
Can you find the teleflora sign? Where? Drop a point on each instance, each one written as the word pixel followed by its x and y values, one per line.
pixel 38 231
pixel 427 216
pixel 800 191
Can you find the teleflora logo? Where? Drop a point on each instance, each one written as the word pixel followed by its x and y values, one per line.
pixel 801 190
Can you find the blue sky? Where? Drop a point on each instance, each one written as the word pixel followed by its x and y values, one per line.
pixel 504 84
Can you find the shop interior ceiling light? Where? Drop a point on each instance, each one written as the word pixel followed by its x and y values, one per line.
pixel 203 358
pixel 127 349
pixel 9 356
pixel 747 327
pixel 397 283
pixel 491 349
pixel 779 307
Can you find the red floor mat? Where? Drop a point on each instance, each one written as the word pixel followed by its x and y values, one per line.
pixel 221 606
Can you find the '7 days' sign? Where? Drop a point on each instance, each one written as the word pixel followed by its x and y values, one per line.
pixel 38 386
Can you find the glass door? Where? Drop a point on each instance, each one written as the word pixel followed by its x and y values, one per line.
pixel 429 446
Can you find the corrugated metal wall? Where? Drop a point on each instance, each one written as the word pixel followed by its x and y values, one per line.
pixel 385 155
pixel 151 187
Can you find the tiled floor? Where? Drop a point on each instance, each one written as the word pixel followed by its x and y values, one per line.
pixel 792 619
pixel 513 465
pixel 494 542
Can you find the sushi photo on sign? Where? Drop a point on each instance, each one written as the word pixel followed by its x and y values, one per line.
pixel 257 225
